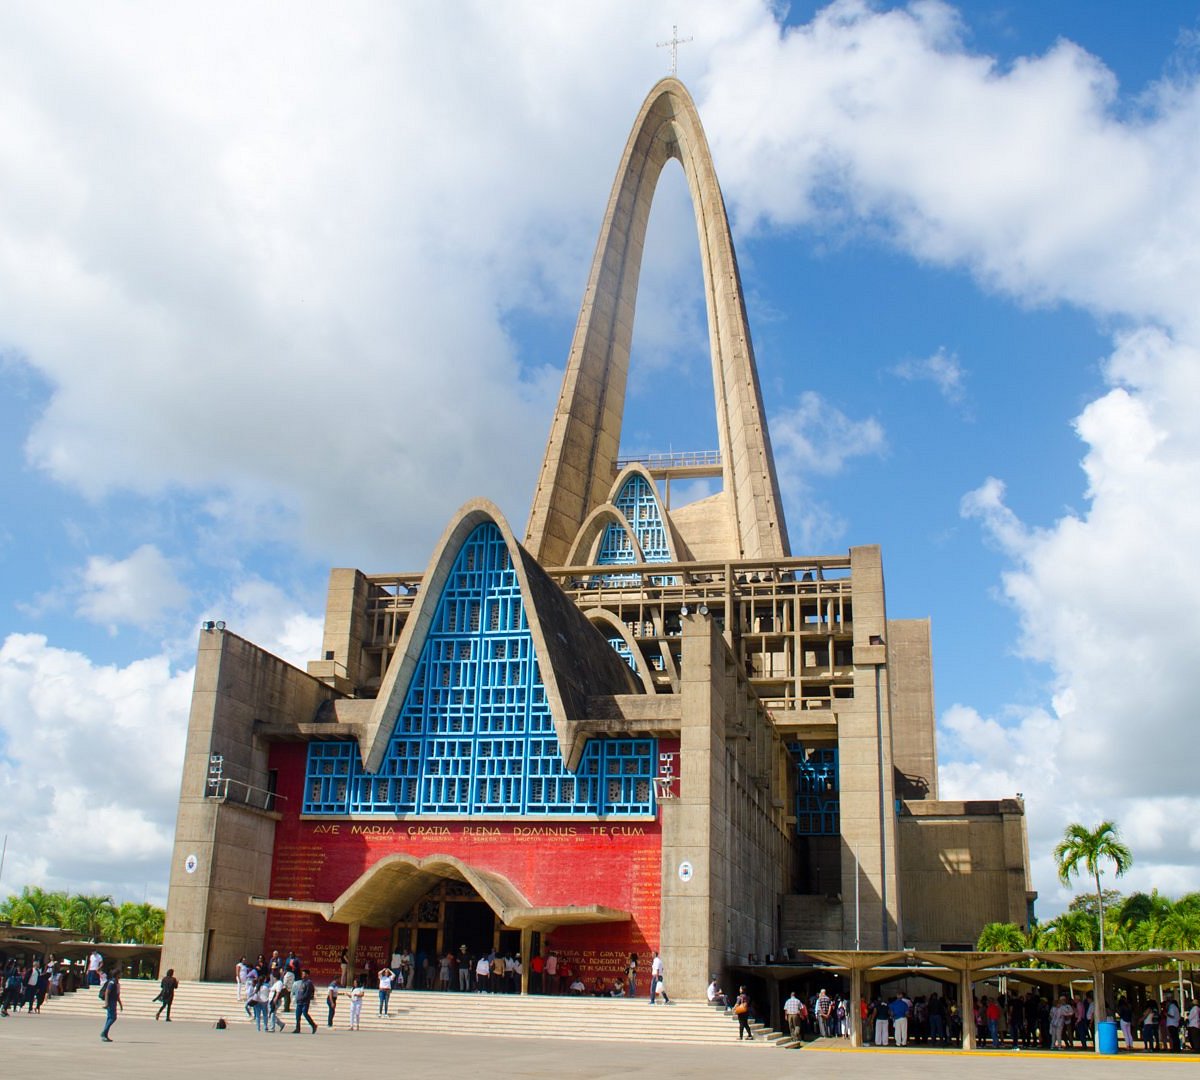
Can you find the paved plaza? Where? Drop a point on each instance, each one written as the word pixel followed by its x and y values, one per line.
pixel 50 1045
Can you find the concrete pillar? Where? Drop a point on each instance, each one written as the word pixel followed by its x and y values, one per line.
pixel 689 834
pixel 526 957
pixel 966 1010
pixel 1100 1013
pixel 856 991
pixel 776 1019
pixel 352 949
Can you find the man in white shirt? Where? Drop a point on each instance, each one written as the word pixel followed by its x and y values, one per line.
pixel 1171 1007
pixel 791 1009
pixel 656 981
pixel 1193 1026
pixel 94 964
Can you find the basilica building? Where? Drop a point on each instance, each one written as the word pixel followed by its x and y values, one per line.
pixel 638 726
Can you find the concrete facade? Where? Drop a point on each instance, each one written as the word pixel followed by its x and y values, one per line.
pixel 800 809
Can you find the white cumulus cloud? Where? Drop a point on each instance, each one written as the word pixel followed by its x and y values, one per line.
pixel 138 591
pixel 90 760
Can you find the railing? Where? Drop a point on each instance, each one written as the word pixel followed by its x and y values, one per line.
pixel 676 459
pixel 249 795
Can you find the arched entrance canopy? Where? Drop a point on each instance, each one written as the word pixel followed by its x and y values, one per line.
pixel 385 893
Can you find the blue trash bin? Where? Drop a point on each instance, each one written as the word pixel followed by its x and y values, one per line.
pixel 1106 1037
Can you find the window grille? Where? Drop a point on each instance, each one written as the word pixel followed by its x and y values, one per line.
pixel 637 502
pixel 818 797
pixel 474 735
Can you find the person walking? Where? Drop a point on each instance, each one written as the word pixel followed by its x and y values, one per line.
pixel 791 1009
pixel 741 1009
pixel 331 996
pixel 166 994
pixel 304 995
pixel 274 1020
pixel 112 1002
pixel 656 981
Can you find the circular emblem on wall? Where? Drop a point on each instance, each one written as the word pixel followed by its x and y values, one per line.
pixel 190 864
pixel 685 871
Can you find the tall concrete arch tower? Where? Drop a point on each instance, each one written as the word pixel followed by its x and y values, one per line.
pixel 745 520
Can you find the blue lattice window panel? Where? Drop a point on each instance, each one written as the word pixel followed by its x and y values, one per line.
pixel 474 736
pixel 628 771
pixel 623 651
pixel 637 503
pixel 327 785
pixel 818 797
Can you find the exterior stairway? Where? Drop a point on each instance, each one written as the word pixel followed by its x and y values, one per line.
pixel 426 1012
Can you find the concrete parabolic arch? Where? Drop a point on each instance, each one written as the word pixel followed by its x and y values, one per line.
pixel 581 454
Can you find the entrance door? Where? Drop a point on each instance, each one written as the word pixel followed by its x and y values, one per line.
pixel 451 914
pixel 471 923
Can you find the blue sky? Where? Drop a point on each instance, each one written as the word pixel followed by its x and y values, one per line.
pixel 279 291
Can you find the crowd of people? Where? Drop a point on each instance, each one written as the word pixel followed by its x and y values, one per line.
pixel 26 986
pixel 1029 1020
pixel 270 987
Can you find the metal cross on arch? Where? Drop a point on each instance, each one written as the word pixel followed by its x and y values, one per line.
pixel 674 44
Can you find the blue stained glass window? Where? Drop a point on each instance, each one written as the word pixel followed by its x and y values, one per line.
pixel 637 502
pixel 474 735
pixel 818 797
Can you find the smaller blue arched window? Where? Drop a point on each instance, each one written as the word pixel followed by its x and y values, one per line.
pixel 637 503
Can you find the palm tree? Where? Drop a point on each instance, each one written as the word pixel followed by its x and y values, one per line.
pixel 139 923
pixel 1181 930
pixel 1139 908
pixel 90 915
pixel 1091 849
pixel 1002 937
pixel 1070 931
pixel 35 907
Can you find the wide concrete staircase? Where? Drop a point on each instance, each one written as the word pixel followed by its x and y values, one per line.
pixel 502 1015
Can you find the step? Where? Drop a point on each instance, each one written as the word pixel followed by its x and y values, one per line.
pixel 503 1015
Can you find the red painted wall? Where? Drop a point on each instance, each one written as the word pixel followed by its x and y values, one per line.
pixel 582 861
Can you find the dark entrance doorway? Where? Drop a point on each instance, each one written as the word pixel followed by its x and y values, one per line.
pixel 450 915
pixel 471 923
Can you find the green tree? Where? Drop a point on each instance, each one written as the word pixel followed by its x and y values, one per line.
pixel 1002 937
pixel 1070 931
pixel 1189 903
pixel 1091 849
pixel 1086 902
pixel 90 916
pixel 1138 908
pixel 1181 930
pixel 141 924
pixel 35 907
